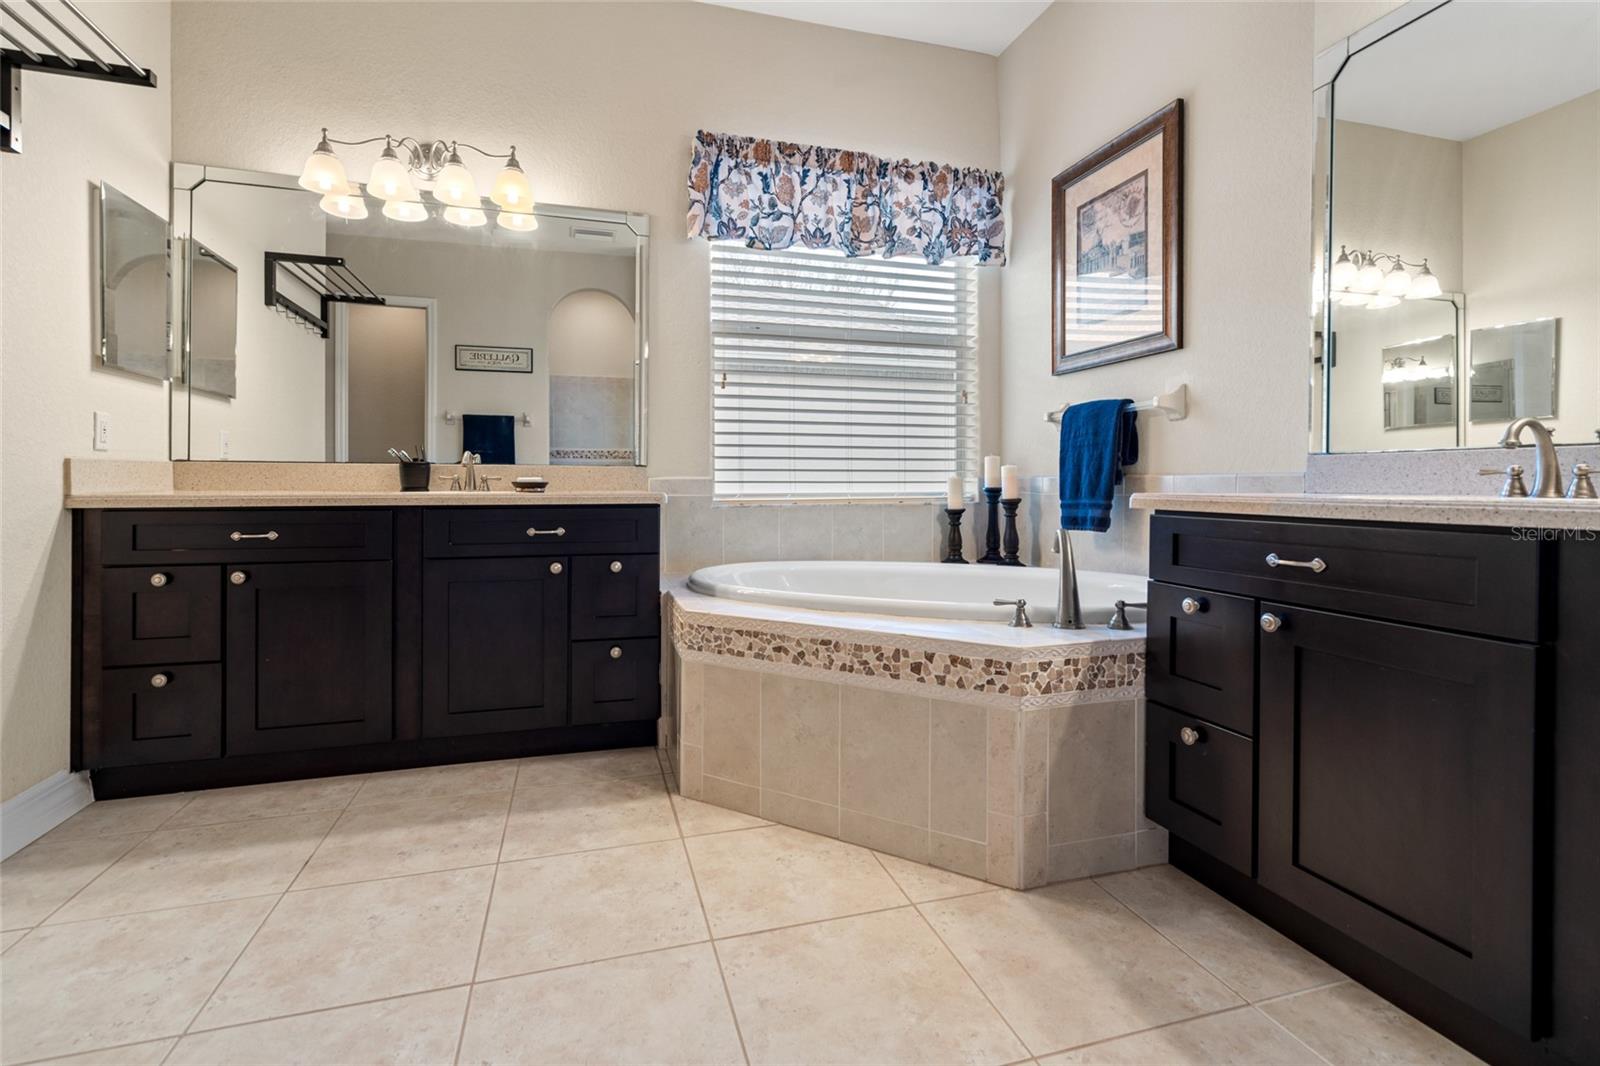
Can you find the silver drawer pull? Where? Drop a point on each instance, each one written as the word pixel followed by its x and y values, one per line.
pixel 1191 605
pixel 1189 735
pixel 159 580
pixel 159 680
pixel 1271 623
pixel 616 566
pixel 1316 566
pixel 556 568
pixel 616 652
pixel 559 531
pixel 238 577
pixel 271 534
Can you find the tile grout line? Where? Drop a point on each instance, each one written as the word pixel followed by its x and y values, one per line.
pixel 1292 1034
pixel 1235 1009
pixel 975 984
pixel 84 887
pixel 1244 999
pixel 705 918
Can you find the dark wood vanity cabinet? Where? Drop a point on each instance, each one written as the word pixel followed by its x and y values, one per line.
pixel 1351 730
pixel 221 646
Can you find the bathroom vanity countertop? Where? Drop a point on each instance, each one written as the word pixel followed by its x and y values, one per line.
pixel 1426 510
pixel 179 499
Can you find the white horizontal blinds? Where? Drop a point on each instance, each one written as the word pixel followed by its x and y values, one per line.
pixel 836 377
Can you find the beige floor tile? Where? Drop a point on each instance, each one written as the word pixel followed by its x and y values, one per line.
pixel 545 770
pixel 584 814
pixel 1255 961
pixel 149 1053
pixel 98 984
pixel 876 988
pixel 663 1007
pixel 274 800
pixel 1350 1024
pixel 43 876
pixel 435 782
pixel 392 839
pixel 329 947
pixel 698 819
pixel 1243 1037
pixel 420 1029
pixel 765 878
pixel 11 936
pixel 923 883
pixel 593 905
pixel 204 864
pixel 108 817
pixel 1069 965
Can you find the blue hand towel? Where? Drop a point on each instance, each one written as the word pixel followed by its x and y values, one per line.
pixel 493 438
pixel 1098 438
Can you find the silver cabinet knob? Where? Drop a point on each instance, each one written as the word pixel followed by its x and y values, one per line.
pixel 1189 735
pixel 159 580
pixel 159 680
pixel 556 568
pixel 616 652
pixel 238 577
pixel 616 566
pixel 1193 606
pixel 1271 623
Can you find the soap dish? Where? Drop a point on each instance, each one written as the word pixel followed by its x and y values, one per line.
pixel 529 484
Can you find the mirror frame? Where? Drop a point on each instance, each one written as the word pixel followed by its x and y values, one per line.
pixel 187 178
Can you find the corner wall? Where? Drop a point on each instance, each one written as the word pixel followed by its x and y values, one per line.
pixel 78 132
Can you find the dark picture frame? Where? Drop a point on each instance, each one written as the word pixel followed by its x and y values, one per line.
pixel 1121 197
pixel 517 360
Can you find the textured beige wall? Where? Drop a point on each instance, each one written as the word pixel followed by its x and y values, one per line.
pixel 1079 76
pixel 79 132
pixel 601 99
pixel 1335 20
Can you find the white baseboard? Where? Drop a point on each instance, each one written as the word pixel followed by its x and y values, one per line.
pixel 29 815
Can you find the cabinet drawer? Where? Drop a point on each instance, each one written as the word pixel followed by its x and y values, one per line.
pixel 615 596
pixel 1471 582
pixel 154 714
pixel 451 532
pixel 615 680
pixel 245 535
pixel 1202 654
pixel 169 614
pixel 1199 782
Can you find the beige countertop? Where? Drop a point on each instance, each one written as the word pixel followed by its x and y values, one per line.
pixel 1519 513
pixel 178 499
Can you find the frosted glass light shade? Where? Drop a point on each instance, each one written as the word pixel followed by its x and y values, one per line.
pixel 1424 286
pixel 454 186
pixel 511 188
pixel 1354 299
pixel 351 205
pixel 1397 282
pixel 465 216
pixel 412 210
pixel 1371 277
pixel 390 180
pixel 1344 271
pixel 517 221
pixel 1382 300
pixel 323 173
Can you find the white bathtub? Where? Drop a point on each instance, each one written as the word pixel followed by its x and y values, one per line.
pixel 926 590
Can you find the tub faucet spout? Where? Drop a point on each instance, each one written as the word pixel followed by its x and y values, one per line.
pixel 1069 612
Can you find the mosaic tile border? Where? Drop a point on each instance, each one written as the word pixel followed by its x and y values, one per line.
pixel 1026 681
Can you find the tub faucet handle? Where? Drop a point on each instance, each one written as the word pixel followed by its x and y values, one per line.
pixel 1020 619
pixel 1119 614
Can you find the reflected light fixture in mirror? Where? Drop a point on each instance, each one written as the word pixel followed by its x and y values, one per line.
pixel 350 204
pixel 406 162
pixel 517 221
pixel 1359 279
pixel 465 216
pixel 412 210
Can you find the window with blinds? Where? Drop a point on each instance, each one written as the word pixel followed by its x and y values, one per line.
pixel 839 377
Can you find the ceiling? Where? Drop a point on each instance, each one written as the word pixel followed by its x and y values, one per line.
pixel 1467 68
pixel 975 26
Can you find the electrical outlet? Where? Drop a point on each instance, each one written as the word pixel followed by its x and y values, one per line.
pixel 102 431
pixel 222 444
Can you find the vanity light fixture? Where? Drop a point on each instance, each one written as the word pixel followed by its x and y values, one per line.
pixel 406 163
pixel 1365 278
pixel 1398 370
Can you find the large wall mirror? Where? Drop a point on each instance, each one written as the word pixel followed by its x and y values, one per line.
pixel 309 336
pixel 1456 277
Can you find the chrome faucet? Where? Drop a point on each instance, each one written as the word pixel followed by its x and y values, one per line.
pixel 1546 465
pixel 1069 612
pixel 469 469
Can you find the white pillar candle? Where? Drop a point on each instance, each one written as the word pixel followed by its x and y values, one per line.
pixel 991 471
pixel 954 491
pixel 1010 484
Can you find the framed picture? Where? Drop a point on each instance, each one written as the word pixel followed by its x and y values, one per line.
pixel 498 360
pixel 1116 221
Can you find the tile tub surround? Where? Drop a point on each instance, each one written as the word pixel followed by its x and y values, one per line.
pixel 989 761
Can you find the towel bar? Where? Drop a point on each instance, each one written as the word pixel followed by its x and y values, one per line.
pixel 1174 404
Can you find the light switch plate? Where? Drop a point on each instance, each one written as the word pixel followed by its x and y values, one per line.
pixel 102 431
pixel 222 444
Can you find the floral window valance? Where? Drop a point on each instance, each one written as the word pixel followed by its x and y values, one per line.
pixel 773 194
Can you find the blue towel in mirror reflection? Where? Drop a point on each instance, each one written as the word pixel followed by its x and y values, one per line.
pixel 1098 439
pixel 493 438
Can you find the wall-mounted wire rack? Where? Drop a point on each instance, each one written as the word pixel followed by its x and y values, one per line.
pixel 325 276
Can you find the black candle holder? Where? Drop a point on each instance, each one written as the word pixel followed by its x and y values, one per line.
pixel 952 540
pixel 992 532
pixel 1009 540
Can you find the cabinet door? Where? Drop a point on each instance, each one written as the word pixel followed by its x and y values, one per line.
pixel 615 596
pixel 170 614
pixel 1202 655
pixel 1200 783
pixel 494 645
pixel 160 714
pixel 309 655
pixel 616 680
pixel 1398 796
